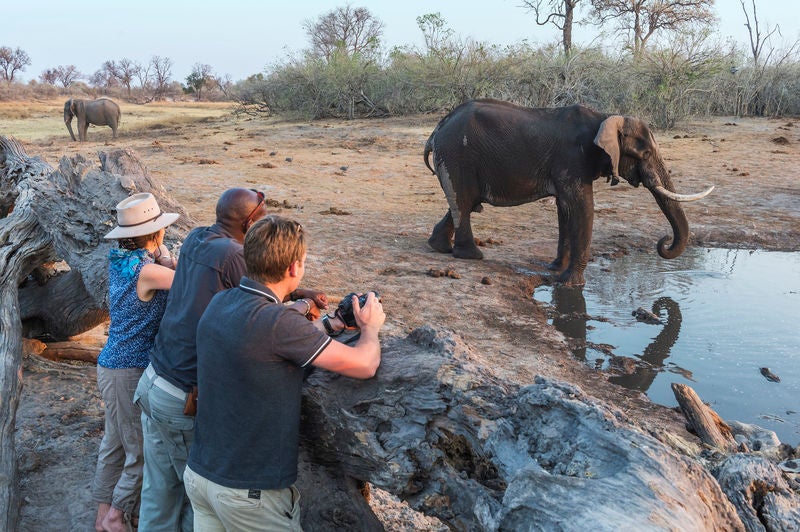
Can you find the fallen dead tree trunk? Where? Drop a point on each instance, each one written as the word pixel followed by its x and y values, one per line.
pixel 755 485
pixel 445 435
pixel 703 421
pixel 54 216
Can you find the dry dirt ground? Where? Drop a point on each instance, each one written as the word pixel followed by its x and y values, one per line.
pixel 362 191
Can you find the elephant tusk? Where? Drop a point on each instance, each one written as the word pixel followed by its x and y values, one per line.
pixel 682 197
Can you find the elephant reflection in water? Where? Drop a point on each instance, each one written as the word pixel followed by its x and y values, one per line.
pixel 572 319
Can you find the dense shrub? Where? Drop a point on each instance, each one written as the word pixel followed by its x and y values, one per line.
pixel 690 76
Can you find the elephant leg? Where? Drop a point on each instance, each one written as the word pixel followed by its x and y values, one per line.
pixel 464 245
pixel 563 253
pixel 579 214
pixel 83 126
pixel 442 236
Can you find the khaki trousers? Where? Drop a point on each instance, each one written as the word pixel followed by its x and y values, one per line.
pixel 219 509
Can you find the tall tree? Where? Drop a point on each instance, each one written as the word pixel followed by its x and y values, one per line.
pixel 161 68
pixel 67 74
pixel 757 39
pixel 200 76
pixel 347 30
pixel 49 76
pixel 559 13
pixel 120 72
pixel 12 61
pixel 641 19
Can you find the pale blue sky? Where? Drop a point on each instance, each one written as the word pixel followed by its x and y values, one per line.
pixel 247 35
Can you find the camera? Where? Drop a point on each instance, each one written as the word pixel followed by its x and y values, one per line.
pixel 345 309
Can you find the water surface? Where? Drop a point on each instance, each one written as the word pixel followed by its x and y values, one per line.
pixel 725 313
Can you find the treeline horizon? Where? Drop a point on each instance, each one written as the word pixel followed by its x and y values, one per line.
pixel 686 73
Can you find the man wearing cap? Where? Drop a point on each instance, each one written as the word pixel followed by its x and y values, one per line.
pixel 211 260
pixel 137 293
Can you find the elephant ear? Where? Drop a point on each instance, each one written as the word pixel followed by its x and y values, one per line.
pixel 608 138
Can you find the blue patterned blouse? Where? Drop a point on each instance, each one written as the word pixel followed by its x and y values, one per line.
pixel 134 323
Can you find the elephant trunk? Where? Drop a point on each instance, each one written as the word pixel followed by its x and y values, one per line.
pixel 677 219
pixel 68 121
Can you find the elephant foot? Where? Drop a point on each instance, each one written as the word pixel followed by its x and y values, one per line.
pixel 467 252
pixel 440 243
pixel 557 265
pixel 570 278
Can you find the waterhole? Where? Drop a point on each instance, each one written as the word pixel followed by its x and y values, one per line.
pixel 725 314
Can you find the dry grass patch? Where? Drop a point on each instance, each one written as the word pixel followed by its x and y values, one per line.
pixel 38 120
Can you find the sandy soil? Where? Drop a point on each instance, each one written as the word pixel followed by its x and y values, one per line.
pixel 363 192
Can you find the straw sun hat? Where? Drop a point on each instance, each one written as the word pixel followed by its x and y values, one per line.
pixel 140 215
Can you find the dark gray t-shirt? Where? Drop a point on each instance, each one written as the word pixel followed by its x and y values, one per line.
pixel 210 261
pixel 251 351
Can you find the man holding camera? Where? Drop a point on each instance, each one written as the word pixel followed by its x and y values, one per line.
pixel 251 355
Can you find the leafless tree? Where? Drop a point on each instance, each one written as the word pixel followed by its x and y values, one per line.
pixel 758 40
pixel 348 30
pixel 161 68
pixel 120 72
pixel 49 76
pixel 67 74
pixel 12 61
pixel 641 19
pixel 144 77
pixel 224 84
pixel 559 13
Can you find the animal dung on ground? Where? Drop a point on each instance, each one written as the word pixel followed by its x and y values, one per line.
pixel 769 375
pixel 486 280
pixel 646 316
pixel 267 165
pixel 451 273
pixel 288 159
pixel 335 210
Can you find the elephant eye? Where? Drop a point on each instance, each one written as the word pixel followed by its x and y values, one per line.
pixel 646 154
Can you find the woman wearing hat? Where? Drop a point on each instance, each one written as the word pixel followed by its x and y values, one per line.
pixel 140 273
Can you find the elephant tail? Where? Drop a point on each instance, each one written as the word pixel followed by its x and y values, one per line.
pixel 428 150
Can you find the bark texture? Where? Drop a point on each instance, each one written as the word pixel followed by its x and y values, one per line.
pixel 445 435
pixel 53 278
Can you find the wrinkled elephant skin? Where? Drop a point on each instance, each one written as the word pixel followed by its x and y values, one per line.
pixel 100 112
pixel 489 151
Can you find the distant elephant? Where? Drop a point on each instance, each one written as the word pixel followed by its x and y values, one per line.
pixel 489 151
pixel 100 112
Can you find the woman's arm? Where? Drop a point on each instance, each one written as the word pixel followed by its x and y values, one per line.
pixel 153 277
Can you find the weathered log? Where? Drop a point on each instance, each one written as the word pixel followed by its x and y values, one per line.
pixel 444 434
pixel 71 351
pixel 759 492
pixel 702 420
pixel 55 216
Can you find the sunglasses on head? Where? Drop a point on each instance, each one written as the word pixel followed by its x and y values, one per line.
pixel 261 198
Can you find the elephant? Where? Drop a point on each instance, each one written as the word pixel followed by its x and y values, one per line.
pixel 100 112
pixel 496 152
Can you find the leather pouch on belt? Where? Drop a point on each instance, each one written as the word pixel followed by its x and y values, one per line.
pixel 190 407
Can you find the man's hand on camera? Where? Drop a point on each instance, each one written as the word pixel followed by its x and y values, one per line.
pixel 371 316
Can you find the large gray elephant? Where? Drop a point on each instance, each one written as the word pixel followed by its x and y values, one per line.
pixel 489 151
pixel 100 112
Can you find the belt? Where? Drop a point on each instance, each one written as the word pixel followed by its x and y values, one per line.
pixel 164 384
